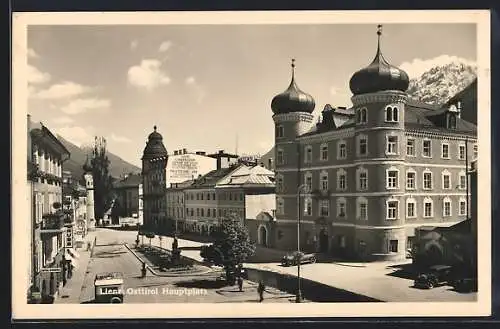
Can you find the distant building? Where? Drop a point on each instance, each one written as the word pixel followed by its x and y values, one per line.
pixel 127 195
pixel 49 225
pixel 184 165
pixel 466 102
pixel 367 176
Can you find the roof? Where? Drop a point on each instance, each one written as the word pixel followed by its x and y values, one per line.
pixel 211 178
pixel 41 133
pixel 246 175
pixel 132 180
pixel 418 115
pixel 182 185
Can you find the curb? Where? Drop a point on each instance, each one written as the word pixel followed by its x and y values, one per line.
pixel 165 275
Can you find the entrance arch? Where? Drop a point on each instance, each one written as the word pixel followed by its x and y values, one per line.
pixel 262 233
pixel 323 241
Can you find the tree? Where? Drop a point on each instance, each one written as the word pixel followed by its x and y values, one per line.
pixel 102 180
pixel 232 245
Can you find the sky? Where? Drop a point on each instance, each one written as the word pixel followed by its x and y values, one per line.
pixel 209 87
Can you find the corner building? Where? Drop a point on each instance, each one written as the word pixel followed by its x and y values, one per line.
pixel 368 175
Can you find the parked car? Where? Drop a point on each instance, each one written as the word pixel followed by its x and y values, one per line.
pixel 465 285
pixel 296 256
pixel 435 276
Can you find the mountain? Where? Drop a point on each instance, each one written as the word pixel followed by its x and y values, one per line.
pixel 117 166
pixel 439 84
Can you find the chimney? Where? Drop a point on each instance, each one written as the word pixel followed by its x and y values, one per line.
pixel 176 152
pixel 184 151
pixel 327 117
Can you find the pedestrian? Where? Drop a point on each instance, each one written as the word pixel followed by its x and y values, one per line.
pixel 240 283
pixel 260 290
pixel 70 270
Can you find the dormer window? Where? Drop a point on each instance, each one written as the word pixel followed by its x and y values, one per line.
pixel 391 114
pixel 452 121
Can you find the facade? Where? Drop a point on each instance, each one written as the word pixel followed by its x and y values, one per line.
pixel 184 165
pixel 368 175
pixel 154 163
pixel 49 224
pixel 176 213
pixel 127 195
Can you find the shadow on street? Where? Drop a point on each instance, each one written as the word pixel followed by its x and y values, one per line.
pixel 403 271
pixel 201 284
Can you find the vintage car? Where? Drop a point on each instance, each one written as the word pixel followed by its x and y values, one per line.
pixel 109 288
pixel 296 256
pixel 435 276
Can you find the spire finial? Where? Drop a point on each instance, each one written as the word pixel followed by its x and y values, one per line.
pixel 293 68
pixel 379 30
pixel 154 127
pixel 379 34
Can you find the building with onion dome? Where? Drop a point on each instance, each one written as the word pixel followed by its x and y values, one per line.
pixel 154 164
pixel 367 175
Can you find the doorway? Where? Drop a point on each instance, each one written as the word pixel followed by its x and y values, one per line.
pixel 263 235
pixel 323 241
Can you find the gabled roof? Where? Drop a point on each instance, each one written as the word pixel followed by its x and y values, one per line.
pixel 247 176
pixel 211 178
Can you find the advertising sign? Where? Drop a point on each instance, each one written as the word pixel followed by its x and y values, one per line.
pixel 183 167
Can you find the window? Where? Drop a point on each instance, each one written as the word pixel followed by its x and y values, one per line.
pixel 308 207
pixel 462 183
pixel 280 157
pixel 362 208
pixel 392 178
pixel 411 177
pixel 324 181
pixel 410 147
pixel 342 150
pixel 308 154
pixel 452 121
pixel 208 196
pixel 426 148
pixel 324 208
pixel 393 246
pixel 362 179
pixel 341 180
pixel 308 181
pixel 280 206
pixel 392 145
pixel 445 151
pixel 198 212
pixel 446 180
pixel 341 208
pixel 197 196
pixel 208 212
pixel 427 179
pixel 280 131
pixel 361 115
pixel 324 152
pixel 428 211
pixel 362 145
pixel 392 209
pixel 461 152
pixel 462 210
pixel 391 114
pixel 446 207
pixel 411 205
pixel 475 151
pixel 279 183
pixel 202 212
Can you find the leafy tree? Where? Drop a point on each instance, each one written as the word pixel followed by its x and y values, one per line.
pixel 102 180
pixel 232 245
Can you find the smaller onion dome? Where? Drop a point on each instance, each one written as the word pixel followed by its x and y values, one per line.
pixel 379 75
pixel 154 146
pixel 87 167
pixel 293 99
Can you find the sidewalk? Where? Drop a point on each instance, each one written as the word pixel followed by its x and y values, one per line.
pixel 70 293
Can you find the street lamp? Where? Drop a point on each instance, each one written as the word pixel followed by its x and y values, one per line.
pixel 305 189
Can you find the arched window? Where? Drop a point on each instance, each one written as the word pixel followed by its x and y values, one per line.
pixel 308 206
pixel 427 179
pixel 446 179
pixel 308 181
pixel 462 180
pixel 391 114
pixel 341 207
pixel 323 180
pixel 280 156
pixel 324 152
pixel 341 149
pixel 361 115
pixel 411 179
pixel 411 208
pixel 362 145
pixel 362 179
pixel 462 208
pixel 428 208
pixel 341 180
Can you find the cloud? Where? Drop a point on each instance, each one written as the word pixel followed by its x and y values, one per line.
pixel 418 66
pixel 77 135
pixel 119 139
pixel 35 76
pixel 32 53
pixel 134 44
pixel 198 90
pixel 82 105
pixel 62 120
pixel 147 75
pixel 63 90
pixel 334 90
pixel 165 46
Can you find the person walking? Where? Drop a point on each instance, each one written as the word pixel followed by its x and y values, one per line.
pixel 240 283
pixel 260 290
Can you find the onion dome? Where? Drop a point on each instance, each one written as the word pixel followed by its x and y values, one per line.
pixel 379 75
pixel 154 146
pixel 293 99
pixel 87 167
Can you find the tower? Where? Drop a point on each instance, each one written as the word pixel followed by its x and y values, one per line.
pixel 89 186
pixel 379 100
pixel 154 164
pixel 292 115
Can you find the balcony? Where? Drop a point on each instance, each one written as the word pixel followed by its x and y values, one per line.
pixel 52 223
pixel 321 194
